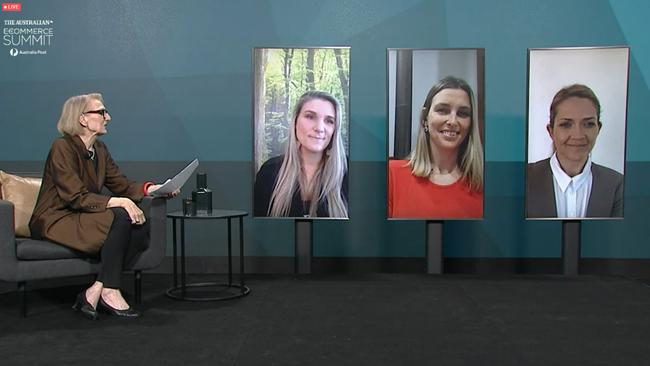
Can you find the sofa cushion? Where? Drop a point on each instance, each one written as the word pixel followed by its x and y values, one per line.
pixel 22 192
pixel 29 249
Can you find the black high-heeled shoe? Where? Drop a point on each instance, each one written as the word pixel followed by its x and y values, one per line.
pixel 84 307
pixel 127 313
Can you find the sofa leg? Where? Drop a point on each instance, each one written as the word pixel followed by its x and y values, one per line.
pixel 138 286
pixel 22 299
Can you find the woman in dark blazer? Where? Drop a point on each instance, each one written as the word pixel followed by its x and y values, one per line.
pixel 569 184
pixel 72 211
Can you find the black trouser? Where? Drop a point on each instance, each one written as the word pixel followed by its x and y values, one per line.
pixel 120 250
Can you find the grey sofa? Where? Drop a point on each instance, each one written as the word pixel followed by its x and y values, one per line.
pixel 26 259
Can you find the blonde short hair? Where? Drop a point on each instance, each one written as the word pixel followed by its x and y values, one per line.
pixel 68 123
pixel 573 91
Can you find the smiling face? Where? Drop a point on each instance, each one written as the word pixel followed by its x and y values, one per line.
pixel 574 130
pixel 94 122
pixel 449 119
pixel 315 125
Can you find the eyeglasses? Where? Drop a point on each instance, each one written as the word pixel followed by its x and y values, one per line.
pixel 103 112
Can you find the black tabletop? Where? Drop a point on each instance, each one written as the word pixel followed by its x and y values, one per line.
pixel 216 214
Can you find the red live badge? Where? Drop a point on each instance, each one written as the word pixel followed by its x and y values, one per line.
pixel 15 7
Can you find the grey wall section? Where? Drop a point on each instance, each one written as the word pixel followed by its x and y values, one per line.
pixel 502 234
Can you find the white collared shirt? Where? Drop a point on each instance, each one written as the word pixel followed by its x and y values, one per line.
pixel 571 193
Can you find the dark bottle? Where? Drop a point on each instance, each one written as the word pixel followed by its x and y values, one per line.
pixel 202 196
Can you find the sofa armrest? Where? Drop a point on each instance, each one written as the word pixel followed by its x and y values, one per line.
pixel 155 209
pixel 7 239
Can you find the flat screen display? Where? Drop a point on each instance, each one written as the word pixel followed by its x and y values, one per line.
pixel 435 134
pixel 577 108
pixel 301 103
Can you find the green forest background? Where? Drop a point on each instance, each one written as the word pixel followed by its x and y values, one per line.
pixel 282 75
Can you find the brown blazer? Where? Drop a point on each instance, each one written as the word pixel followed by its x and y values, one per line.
pixel 605 200
pixel 70 209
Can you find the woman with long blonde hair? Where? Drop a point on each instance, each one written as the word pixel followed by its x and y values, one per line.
pixel 443 176
pixel 310 179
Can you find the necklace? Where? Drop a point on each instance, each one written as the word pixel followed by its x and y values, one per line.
pixel 436 171
pixel 446 178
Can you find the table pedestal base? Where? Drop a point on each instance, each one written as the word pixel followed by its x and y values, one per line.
pixel 183 293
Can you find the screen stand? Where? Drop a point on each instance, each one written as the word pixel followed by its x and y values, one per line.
pixel 434 247
pixel 570 247
pixel 303 239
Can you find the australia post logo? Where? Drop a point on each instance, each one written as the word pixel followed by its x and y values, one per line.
pixel 15 7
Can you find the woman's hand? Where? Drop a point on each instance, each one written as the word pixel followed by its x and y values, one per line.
pixel 135 213
pixel 152 188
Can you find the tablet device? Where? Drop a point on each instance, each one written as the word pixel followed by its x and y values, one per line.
pixel 177 182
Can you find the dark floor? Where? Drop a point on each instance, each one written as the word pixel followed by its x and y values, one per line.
pixel 374 319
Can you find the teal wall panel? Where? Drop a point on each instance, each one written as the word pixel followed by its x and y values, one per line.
pixel 177 79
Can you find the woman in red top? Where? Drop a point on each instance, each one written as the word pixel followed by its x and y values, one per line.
pixel 443 176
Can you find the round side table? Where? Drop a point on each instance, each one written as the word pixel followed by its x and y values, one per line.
pixel 182 291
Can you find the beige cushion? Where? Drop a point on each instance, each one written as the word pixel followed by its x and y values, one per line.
pixel 22 192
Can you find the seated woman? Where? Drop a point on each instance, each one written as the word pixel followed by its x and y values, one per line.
pixel 310 179
pixel 443 176
pixel 72 211
pixel 569 184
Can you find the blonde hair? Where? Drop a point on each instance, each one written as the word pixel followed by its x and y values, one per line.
pixel 68 123
pixel 571 91
pixel 471 150
pixel 327 183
